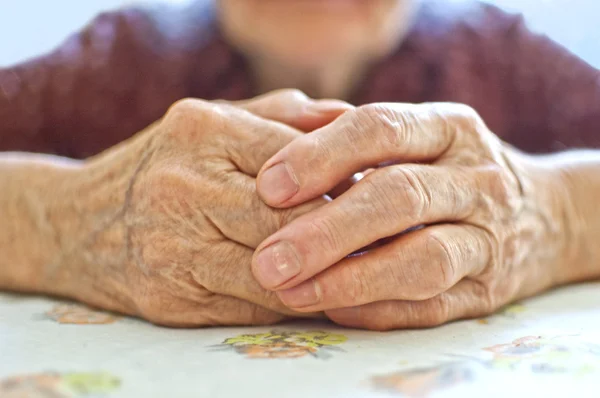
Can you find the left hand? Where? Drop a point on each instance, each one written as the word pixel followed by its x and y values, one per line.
pixel 162 226
pixel 493 229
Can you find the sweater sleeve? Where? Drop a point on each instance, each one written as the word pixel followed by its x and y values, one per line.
pixel 99 87
pixel 557 94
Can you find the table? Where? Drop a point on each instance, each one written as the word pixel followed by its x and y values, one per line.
pixel 546 346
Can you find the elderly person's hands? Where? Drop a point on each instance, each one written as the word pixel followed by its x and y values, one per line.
pixel 164 225
pixel 493 219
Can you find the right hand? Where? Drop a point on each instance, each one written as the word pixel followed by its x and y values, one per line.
pixel 177 216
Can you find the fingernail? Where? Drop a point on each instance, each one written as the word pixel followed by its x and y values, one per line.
pixel 304 295
pixel 277 264
pixel 278 184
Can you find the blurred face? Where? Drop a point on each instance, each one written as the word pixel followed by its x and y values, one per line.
pixel 308 33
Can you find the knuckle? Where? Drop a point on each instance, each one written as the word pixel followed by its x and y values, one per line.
pixel 354 285
pixel 415 193
pixel 184 108
pixel 443 255
pixel 438 312
pixel 326 232
pixel 463 115
pixel 459 197
pixel 401 185
pixel 489 297
pixel 291 95
pixel 494 175
pixel 379 121
pixel 493 181
pixel 189 118
pixel 462 119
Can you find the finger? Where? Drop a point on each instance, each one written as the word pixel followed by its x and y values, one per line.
pixel 365 137
pixel 217 310
pixel 252 140
pixel 385 203
pixel 241 216
pixel 224 132
pixel 467 299
pixel 234 278
pixel 416 266
pixel 294 108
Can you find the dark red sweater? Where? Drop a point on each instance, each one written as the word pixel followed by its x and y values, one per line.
pixel 124 70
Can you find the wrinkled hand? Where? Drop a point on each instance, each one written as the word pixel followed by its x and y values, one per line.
pixel 491 231
pixel 192 218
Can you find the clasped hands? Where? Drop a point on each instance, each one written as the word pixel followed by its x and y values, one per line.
pixel 248 213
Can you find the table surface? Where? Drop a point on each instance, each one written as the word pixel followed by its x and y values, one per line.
pixel 547 346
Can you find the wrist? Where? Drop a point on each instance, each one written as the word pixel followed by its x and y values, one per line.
pixel 96 231
pixel 64 227
pixel 546 214
pixel 578 173
pixel 563 186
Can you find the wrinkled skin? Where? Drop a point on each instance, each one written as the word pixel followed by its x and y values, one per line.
pixel 178 250
pixel 494 219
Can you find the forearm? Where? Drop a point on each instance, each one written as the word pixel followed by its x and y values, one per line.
pixel 64 230
pixel 30 238
pixel 580 173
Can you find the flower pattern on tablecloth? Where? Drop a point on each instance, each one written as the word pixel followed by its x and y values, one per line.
pixel 539 354
pixel 80 315
pixel 566 355
pixel 421 382
pixel 60 385
pixel 284 344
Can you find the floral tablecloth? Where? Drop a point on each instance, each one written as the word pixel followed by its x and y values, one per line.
pixel 547 346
